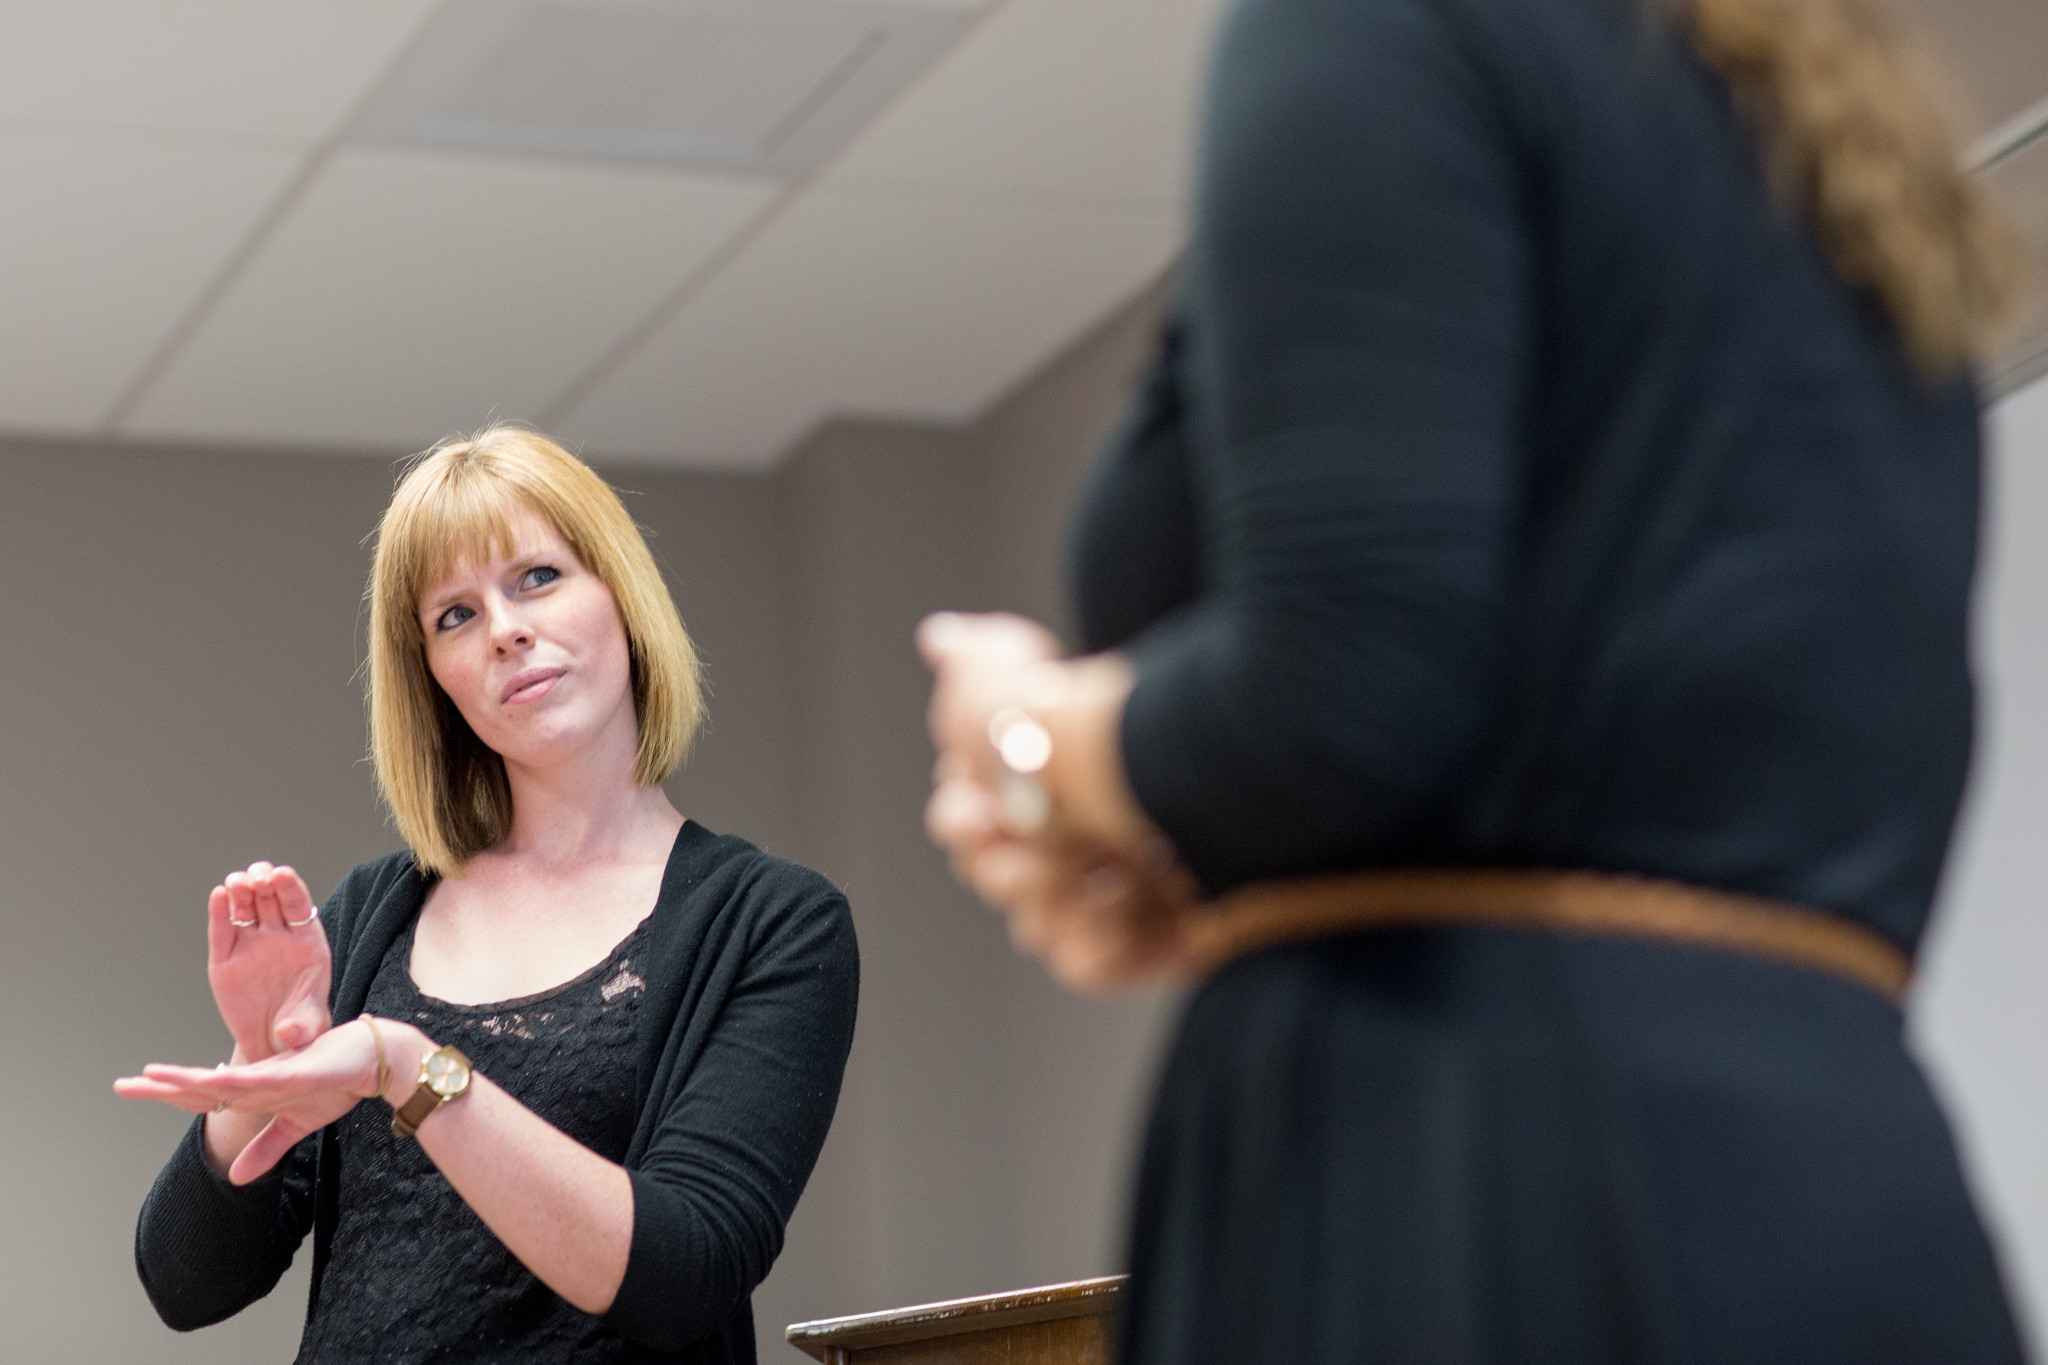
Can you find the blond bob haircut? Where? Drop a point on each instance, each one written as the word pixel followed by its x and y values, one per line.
pixel 446 790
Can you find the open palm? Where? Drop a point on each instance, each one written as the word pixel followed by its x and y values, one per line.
pixel 301 1093
pixel 267 960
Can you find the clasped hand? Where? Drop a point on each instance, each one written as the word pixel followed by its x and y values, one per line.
pixel 1098 915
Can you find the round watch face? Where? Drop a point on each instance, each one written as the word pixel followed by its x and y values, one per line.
pixel 446 1075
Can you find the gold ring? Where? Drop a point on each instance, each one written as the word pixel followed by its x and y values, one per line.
pixel 242 923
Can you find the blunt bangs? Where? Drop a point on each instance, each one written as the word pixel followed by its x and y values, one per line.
pixel 446 791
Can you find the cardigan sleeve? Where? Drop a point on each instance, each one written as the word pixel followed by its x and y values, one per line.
pixel 205 1248
pixel 740 1131
pixel 1356 307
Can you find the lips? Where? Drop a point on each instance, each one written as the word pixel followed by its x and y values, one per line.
pixel 531 685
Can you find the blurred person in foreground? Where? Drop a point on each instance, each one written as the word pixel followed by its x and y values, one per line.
pixel 1526 685
pixel 602 1044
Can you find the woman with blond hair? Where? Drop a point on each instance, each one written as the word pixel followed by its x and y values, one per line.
pixel 601 1044
pixel 1527 688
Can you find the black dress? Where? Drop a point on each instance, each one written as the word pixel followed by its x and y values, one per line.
pixel 1518 486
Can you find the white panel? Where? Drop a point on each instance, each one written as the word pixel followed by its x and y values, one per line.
pixel 104 245
pixel 869 304
pixel 1070 100
pixel 1979 1014
pixel 411 294
pixel 286 69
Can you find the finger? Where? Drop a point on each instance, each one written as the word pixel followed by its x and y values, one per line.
pixel 267 912
pixel 1016 870
pixel 938 635
pixel 961 814
pixel 220 935
pixel 230 1082
pixel 142 1088
pixel 294 901
pixel 951 765
pixel 264 1151
pixel 298 1026
pixel 241 900
pixel 1031 931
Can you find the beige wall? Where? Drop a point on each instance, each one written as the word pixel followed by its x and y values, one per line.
pixel 178 657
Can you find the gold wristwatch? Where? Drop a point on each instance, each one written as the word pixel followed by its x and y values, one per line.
pixel 444 1076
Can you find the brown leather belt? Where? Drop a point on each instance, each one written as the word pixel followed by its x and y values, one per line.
pixel 1595 903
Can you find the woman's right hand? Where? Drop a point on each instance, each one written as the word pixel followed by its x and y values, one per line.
pixel 267 960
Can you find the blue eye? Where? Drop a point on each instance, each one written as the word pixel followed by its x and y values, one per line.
pixel 453 617
pixel 540 575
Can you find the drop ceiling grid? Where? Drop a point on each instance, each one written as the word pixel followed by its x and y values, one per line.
pixel 409 294
pixel 859 303
pixel 1074 112
pixel 108 243
pixel 1053 101
pixel 1055 134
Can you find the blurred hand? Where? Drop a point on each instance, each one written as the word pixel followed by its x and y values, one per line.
pixel 1098 919
pixel 302 1091
pixel 1097 916
pixel 267 960
pixel 980 664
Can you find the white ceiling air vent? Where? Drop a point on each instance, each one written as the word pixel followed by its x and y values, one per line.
pixel 767 86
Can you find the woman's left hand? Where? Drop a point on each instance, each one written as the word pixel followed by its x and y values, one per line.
pixel 302 1091
pixel 1098 916
pixel 1097 919
pixel 979 664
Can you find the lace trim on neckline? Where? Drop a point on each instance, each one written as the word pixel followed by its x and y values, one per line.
pixel 625 980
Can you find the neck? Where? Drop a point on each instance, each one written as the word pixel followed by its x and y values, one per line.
pixel 588 810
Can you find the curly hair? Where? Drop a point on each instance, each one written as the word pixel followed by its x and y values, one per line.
pixel 1851 134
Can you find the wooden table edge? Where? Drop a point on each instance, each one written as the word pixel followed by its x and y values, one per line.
pixel 985 1312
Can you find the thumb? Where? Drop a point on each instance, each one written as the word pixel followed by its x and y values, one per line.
pixel 297 1026
pixel 264 1151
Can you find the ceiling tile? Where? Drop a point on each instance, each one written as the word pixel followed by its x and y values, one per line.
pixel 869 304
pixel 285 69
pixel 411 294
pixel 1076 101
pixel 104 245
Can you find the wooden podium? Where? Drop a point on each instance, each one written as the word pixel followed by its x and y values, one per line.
pixel 1057 1324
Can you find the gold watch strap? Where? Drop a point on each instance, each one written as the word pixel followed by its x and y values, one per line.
pixel 424 1100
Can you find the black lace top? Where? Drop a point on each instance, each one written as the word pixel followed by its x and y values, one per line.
pixel 415 1274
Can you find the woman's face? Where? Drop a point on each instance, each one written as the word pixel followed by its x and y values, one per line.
pixel 531 650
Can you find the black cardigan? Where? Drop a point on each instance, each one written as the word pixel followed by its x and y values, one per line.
pixel 744 1036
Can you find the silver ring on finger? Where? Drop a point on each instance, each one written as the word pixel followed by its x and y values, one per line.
pixel 302 923
pixel 242 923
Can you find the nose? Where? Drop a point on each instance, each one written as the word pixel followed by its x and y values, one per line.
pixel 510 631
